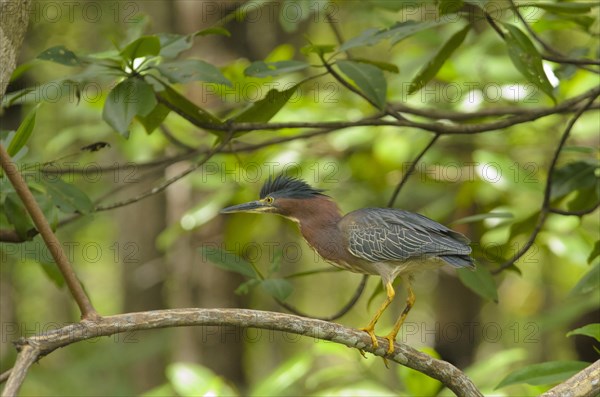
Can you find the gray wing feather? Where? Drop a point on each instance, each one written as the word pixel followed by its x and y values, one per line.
pixel 382 234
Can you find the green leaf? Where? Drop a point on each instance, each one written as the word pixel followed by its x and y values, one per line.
pixel 227 261
pixel 17 215
pixel 368 78
pixel 480 281
pixel 450 6
pixel 23 132
pixel 480 217
pixel 51 91
pixel 544 374
pixel 142 47
pixel 265 109
pixel 388 67
pixel 579 175
pixel 192 70
pixel 585 199
pixel 172 44
pixel 595 252
pixel 395 33
pixel 130 98
pixel 566 8
pixel 67 197
pixel 435 64
pixel 190 380
pixel 60 54
pixel 280 382
pixel 367 38
pixel 527 59
pixel 319 49
pixel 277 287
pixel 588 283
pixel 592 330
pixel 186 108
pixel 245 287
pixel 216 30
pixel 265 69
pixel 154 119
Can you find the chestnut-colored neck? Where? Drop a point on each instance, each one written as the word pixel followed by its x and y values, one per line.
pixel 318 219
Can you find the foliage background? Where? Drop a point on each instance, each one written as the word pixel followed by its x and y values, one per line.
pixel 149 255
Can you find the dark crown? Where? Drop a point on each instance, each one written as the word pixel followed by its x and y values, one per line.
pixel 285 186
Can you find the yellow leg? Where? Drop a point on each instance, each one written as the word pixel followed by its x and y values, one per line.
pixel 369 329
pixel 410 301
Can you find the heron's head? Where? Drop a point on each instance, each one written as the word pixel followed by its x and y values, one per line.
pixel 283 195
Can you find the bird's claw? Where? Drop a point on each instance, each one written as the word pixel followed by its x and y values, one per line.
pixel 369 331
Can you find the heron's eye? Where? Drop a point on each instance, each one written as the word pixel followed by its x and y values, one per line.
pixel 269 200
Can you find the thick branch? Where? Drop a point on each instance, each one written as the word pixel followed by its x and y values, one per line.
pixel 445 372
pixel 42 225
pixel 585 383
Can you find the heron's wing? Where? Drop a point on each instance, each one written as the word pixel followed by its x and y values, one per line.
pixel 379 235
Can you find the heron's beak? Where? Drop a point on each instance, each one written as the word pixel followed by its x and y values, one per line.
pixel 252 206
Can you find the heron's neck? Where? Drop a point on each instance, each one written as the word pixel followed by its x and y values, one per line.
pixel 318 224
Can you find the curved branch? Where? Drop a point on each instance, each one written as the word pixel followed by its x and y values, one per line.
pixel 574 212
pixel 345 309
pixel 405 355
pixel 583 384
pixel 545 210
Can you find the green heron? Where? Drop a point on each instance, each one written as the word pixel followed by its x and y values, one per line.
pixel 386 242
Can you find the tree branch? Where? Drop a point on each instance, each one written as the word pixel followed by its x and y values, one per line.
pixel 54 246
pixel 166 183
pixel 345 309
pixel 27 356
pixel 405 355
pixel 410 170
pixel 545 210
pixel 585 383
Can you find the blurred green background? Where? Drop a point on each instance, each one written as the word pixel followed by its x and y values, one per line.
pixel 151 254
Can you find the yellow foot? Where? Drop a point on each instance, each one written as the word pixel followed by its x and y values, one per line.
pixel 362 353
pixel 391 340
pixel 372 335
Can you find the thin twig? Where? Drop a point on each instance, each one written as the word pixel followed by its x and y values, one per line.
pixel 50 239
pixel 405 355
pixel 171 138
pixel 165 184
pixel 4 375
pixel 410 170
pixel 545 210
pixel 575 212
pixel 345 309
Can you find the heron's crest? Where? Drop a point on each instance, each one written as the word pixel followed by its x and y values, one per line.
pixel 288 187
